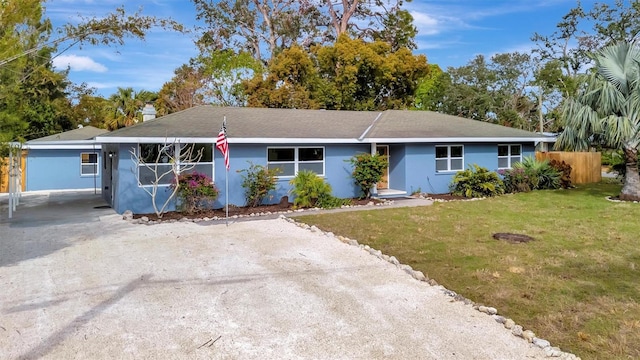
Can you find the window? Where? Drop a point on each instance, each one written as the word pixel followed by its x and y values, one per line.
pixel 88 164
pixel 509 155
pixel 449 158
pixel 293 159
pixel 157 161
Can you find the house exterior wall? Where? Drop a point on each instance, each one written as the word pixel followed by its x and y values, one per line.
pixel 59 169
pixel 130 196
pixel 420 164
pixel 397 168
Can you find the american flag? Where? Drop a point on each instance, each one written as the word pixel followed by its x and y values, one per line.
pixel 222 144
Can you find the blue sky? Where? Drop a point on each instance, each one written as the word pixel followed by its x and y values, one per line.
pixel 451 32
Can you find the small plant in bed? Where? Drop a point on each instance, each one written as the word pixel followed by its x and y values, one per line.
pixel 195 192
pixel 476 182
pixel 310 190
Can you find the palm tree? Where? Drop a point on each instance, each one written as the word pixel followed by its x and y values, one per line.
pixel 606 110
pixel 125 106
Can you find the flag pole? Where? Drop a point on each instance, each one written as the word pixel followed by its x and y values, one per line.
pixel 226 192
pixel 223 145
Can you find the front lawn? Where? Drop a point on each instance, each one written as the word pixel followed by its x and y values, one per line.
pixel 577 285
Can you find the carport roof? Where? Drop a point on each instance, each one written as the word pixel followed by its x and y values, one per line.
pixel 83 133
pixel 262 125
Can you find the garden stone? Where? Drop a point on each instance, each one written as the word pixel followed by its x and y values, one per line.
pixel 418 275
pixel 528 335
pixel 509 324
pixel 499 319
pixel 553 352
pixel 352 242
pixel 394 261
pixel 541 343
pixel 127 215
pixel 432 282
pixel 385 257
pixel 330 234
pixel 144 219
pixel 407 269
pixel 517 330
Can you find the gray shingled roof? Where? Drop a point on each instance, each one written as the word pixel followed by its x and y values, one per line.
pixel 260 123
pixel 428 124
pixel 205 121
pixel 83 133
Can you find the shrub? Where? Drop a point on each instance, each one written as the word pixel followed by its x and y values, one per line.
pixel 531 174
pixel 195 192
pixel 476 182
pixel 257 182
pixel 565 172
pixel 368 170
pixel 329 201
pixel 309 188
pixel 515 180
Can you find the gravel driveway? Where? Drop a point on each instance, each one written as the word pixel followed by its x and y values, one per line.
pixel 263 289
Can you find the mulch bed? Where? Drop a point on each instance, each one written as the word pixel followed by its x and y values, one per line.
pixel 445 197
pixel 236 210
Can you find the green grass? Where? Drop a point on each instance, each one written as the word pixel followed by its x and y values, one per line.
pixel 577 285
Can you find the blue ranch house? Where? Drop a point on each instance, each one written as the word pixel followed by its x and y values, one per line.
pixel 425 149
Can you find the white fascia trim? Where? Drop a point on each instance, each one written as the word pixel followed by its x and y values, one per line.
pixel 169 140
pixel 460 140
pixel 155 140
pixel 293 141
pixel 88 147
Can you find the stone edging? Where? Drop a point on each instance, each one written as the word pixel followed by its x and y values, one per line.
pixel 620 201
pixel 128 214
pixel 509 324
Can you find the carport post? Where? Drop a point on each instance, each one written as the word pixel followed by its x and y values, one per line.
pixel 10 180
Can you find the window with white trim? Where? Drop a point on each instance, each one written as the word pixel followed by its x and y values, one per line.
pixel 290 160
pixel 158 159
pixel 449 158
pixel 509 155
pixel 88 164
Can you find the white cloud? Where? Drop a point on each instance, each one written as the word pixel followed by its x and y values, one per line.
pixel 427 25
pixel 78 63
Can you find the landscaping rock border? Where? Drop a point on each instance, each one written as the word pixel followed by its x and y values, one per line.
pixel 509 324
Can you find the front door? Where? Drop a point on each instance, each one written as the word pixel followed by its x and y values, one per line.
pixel 384 182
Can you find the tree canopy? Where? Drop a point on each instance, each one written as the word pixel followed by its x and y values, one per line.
pixel 606 110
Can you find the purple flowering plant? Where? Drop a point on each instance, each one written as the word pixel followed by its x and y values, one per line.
pixel 196 191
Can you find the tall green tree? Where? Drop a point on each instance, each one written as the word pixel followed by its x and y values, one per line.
pixel 432 89
pixel 350 75
pixel 583 31
pixel 264 28
pixel 606 110
pixel 34 98
pixel 223 73
pixel 261 27
pixel 290 82
pixel 362 75
pixel 183 91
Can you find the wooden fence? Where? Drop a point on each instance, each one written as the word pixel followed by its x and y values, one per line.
pixel 4 173
pixel 586 167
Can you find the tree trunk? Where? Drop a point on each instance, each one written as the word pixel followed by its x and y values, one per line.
pixel 631 188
